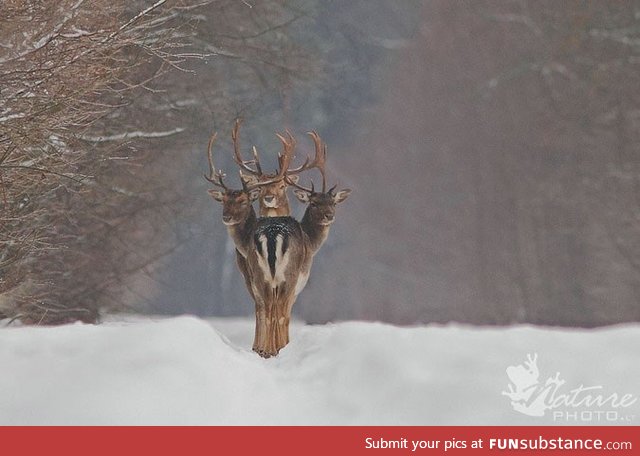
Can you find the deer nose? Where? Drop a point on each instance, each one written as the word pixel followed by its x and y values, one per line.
pixel 269 198
pixel 329 217
pixel 226 218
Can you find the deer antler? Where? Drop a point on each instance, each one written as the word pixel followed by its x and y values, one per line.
pixel 318 162
pixel 284 160
pixel 286 156
pixel 215 176
pixel 244 164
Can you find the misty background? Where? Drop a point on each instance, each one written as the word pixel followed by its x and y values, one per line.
pixel 493 152
pixel 492 148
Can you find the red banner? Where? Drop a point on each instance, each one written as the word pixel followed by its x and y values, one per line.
pixel 359 440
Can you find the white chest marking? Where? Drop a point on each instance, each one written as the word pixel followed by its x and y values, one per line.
pixel 281 261
pixel 262 257
pixel 302 282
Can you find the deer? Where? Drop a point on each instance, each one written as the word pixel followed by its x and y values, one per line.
pixel 273 200
pixel 281 260
pixel 275 254
pixel 238 214
pixel 320 212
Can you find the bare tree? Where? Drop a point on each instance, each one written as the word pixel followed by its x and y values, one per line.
pixel 90 174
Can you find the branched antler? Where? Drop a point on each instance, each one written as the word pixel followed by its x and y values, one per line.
pixel 284 158
pixel 319 162
pixel 237 155
pixel 215 176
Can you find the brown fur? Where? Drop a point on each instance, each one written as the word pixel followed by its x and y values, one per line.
pixel 274 305
pixel 275 295
pixel 273 200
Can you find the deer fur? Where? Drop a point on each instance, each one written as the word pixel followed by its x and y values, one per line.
pixel 280 262
pixel 273 200
pixel 274 252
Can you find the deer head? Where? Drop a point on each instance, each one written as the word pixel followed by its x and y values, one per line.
pixel 273 187
pixel 236 204
pixel 321 207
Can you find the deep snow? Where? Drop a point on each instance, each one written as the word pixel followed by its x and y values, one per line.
pixel 190 371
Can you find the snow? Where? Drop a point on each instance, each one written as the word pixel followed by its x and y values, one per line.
pixel 11 117
pixel 184 370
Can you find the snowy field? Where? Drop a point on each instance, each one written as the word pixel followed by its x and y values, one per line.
pixel 136 370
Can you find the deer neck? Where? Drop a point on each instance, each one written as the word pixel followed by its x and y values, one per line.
pixel 242 232
pixel 316 232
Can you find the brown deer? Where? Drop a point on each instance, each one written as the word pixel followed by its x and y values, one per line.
pixel 281 260
pixel 275 254
pixel 273 200
pixel 321 207
pixel 237 210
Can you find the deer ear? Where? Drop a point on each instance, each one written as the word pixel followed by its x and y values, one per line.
pixel 293 179
pixel 216 195
pixel 248 179
pixel 341 195
pixel 254 194
pixel 301 195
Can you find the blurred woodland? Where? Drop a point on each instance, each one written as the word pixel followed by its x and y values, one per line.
pixel 492 146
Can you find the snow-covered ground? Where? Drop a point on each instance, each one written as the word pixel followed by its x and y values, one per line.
pixel 190 371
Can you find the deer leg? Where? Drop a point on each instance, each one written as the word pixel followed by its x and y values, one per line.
pixel 286 330
pixel 258 338
pixel 274 322
pixel 262 327
pixel 282 337
pixel 268 340
pixel 290 302
pixel 285 304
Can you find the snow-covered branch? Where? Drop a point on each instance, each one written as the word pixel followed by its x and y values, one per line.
pixel 132 135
